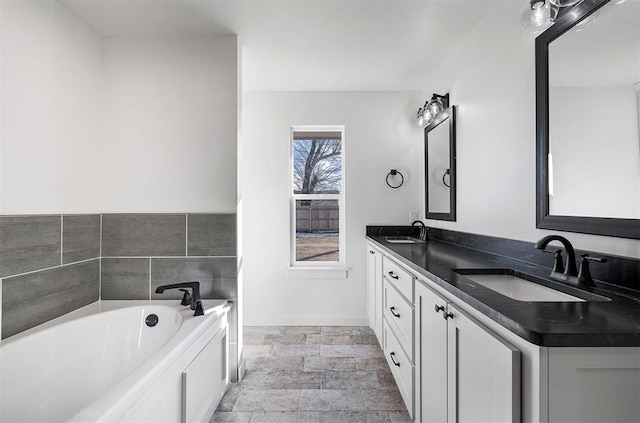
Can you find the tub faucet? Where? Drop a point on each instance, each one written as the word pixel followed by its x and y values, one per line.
pixel 196 301
pixel 423 229
pixel 570 273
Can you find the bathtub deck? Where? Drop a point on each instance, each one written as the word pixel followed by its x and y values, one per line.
pixel 311 374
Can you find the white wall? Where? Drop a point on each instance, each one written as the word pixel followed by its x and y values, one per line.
pixel 170 125
pixel 1 110
pixel 492 81
pixel 51 92
pixel 124 125
pixel 379 135
pixel 121 126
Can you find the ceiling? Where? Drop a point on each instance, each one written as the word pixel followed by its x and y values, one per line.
pixel 307 45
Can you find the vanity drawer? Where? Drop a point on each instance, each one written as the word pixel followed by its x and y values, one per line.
pixel 400 365
pixel 399 277
pixel 399 315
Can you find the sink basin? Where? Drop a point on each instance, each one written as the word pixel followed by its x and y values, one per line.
pixel 509 283
pixel 402 240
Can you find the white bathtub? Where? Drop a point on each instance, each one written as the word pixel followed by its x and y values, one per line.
pixel 102 363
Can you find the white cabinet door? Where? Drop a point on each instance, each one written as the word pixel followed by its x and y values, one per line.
pixel 431 357
pixel 399 314
pixel 483 373
pixel 590 385
pixel 205 380
pixel 371 286
pixel 374 290
pixel 401 366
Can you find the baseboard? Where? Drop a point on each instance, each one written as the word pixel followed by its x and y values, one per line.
pixel 306 321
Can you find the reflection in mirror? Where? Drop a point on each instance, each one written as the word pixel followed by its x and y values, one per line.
pixel 440 167
pixel 594 142
pixel 588 120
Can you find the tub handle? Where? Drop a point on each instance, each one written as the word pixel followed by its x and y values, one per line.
pixel 186 298
pixel 198 310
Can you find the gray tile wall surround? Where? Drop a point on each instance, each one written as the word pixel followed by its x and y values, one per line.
pixel 208 238
pixel 47 269
pixel 34 298
pixel 143 235
pixel 63 262
pixel 211 235
pixel 81 237
pixel 137 278
pixel 217 276
pixel 29 243
pixel 125 278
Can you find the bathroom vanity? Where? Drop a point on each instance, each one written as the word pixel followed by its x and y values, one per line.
pixel 462 350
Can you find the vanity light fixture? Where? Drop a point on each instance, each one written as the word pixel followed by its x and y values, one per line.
pixel 432 108
pixel 538 15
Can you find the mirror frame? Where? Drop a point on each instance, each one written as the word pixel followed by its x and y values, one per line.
pixel 623 228
pixel 449 114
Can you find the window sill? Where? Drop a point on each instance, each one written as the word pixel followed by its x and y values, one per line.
pixel 317 272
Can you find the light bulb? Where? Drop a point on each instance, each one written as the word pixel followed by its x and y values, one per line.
pixel 536 16
pixel 435 107
pixel 428 115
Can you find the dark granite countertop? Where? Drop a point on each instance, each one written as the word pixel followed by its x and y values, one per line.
pixel 594 323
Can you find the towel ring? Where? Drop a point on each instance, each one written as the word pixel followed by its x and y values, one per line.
pixel 394 172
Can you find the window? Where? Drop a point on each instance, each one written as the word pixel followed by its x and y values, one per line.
pixel 317 196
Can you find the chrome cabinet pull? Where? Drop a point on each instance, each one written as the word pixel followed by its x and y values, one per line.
pixel 393 355
pixel 393 311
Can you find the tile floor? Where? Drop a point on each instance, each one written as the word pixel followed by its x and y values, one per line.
pixel 312 374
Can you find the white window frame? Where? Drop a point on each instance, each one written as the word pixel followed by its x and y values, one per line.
pixel 321 265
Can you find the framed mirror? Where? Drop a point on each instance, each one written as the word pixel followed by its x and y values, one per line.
pixel 440 166
pixel 588 120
